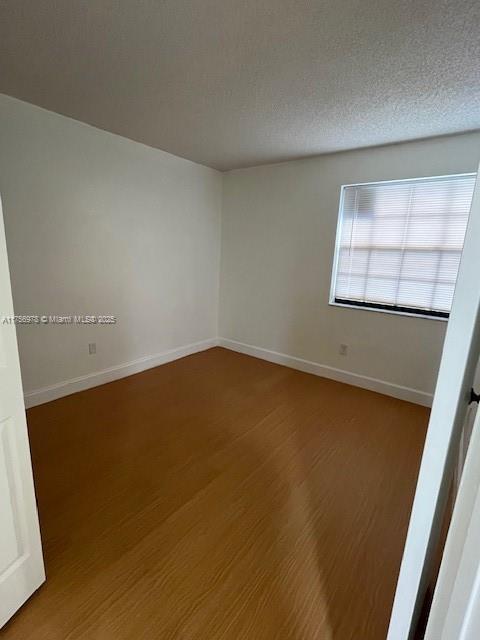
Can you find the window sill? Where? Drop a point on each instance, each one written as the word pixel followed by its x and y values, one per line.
pixel 388 311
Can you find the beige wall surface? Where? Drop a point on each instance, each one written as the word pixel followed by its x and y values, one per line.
pixel 278 238
pixel 98 224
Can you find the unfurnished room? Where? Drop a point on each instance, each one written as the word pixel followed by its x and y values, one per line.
pixel 239 320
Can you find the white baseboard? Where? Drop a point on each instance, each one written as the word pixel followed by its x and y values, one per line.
pixel 340 375
pixel 66 387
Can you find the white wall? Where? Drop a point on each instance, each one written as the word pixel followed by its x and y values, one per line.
pixel 97 224
pixel 278 234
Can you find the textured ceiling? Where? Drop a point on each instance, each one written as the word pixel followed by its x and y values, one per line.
pixel 232 83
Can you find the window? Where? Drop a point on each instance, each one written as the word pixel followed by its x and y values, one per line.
pixel 399 244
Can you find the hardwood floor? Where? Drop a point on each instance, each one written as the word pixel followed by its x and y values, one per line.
pixel 220 497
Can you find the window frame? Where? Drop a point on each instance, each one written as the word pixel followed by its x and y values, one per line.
pixel 379 308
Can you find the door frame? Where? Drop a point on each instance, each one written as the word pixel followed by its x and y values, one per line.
pixel 460 355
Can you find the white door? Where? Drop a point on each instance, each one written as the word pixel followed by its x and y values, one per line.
pixel 455 378
pixel 21 562
pixel 455 613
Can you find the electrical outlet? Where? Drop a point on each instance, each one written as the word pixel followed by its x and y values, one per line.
pixel 92 348
pixel 343 351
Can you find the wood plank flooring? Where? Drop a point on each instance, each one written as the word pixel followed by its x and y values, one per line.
pixel 220 497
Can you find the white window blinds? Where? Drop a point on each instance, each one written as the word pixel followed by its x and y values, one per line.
pixel 399 243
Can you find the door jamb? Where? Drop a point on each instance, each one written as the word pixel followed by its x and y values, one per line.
pixel 460 355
